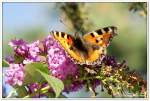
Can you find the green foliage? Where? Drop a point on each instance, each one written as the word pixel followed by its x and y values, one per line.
pixel 21 91
pixel 32 75
pixel 5 63
pixel 54 82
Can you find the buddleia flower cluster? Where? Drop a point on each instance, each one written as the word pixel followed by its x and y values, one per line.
pixel 115 78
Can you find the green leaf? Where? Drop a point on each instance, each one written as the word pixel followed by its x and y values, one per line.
pixel 54 82
pixel 32 75
pixel 21 91
pixel 5 63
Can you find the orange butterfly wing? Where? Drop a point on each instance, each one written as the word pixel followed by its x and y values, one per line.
pixel 67 42
pixel 100 38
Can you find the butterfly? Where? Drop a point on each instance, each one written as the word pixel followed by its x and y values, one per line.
pixel 88 49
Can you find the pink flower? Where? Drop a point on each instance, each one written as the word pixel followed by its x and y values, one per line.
pixel 59 63
pixel 33 53
pixel 20 46
pixel 15 74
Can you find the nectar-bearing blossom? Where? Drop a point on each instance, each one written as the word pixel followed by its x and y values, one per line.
pixel 30 52
pixel 59 63
pixel 110 61
pixel 34 50
pixel 33 53
pixel 20 47
pixel 15 74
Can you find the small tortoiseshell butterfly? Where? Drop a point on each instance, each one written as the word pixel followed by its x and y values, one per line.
pixel 89 49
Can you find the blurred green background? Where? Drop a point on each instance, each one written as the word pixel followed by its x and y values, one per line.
pixel 33 21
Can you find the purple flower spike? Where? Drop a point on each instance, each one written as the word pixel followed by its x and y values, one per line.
pixel 110 61
pixel 15 74
pixel 33 87
pixel 59 63
pixel 17 42
pixel 34 51
pixel 20 46
pixel 48 42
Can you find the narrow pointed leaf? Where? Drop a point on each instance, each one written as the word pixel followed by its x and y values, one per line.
pixel 31 74
pixel 5 63
pixel 56 84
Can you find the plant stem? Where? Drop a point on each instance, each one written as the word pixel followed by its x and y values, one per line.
pixel 41 91
pixel 88 78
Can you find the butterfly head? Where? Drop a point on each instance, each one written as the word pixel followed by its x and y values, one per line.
pixel 113 30
pixel 110 32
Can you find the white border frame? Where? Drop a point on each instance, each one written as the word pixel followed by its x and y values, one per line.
pixel 148 45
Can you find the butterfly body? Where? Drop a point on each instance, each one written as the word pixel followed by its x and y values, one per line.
pixel 88 49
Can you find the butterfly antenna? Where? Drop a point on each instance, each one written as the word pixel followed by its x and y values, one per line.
pixel 66 25
pixel 76 34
